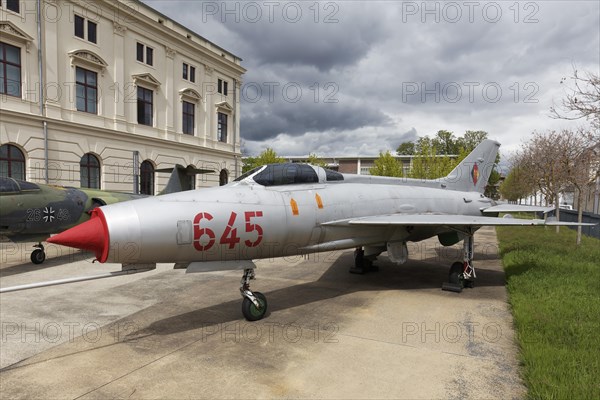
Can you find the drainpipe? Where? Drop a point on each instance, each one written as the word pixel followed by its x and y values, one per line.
pixel 41 88
pixel 235 108
pixel 136 168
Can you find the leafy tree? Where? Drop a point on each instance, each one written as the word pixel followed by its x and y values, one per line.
pixel 471 139
pixel 406 149
pixel 445 142
pixel 515 186
pixel 386 165
pixel 268 156
pixel 428 164
pixel 313 159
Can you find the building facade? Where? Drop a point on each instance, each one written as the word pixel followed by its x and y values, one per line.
pixel 105 93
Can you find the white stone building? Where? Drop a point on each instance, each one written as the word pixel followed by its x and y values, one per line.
pixel 123 89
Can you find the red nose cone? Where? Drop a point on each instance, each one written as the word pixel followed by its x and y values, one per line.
pixel 91 235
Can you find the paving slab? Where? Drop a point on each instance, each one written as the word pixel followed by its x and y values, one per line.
pixel 327 334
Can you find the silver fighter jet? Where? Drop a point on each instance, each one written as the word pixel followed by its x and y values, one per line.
pixel 289 209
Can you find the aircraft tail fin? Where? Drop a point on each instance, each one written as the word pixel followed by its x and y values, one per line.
pixel 472 174
pixel 182 178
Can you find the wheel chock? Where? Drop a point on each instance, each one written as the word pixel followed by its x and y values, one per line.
pixel 452 287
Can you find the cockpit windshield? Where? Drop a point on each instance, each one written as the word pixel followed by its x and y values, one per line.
pixel 290 174
pixel 247 174
pixel 10 185
pixel 286 174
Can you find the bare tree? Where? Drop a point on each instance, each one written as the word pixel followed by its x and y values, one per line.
pixel 581 101
pixel 556 160
pixel 578 162
pixel 541 159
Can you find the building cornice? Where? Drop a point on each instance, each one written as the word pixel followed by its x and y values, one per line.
pixel 150 26
pixel 110 134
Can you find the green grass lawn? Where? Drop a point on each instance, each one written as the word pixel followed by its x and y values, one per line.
pixel 554 291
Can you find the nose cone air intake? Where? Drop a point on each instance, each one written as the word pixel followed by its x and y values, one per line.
pixel 91 235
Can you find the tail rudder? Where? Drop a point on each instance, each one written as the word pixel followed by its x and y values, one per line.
pixel 472 174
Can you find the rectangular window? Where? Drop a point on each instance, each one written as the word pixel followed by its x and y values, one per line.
pixel 149 56
pixel 79 27
pixel 144 106
pixel 86 91
pixel 92 27
pixel 12 5
pixel 222 127
pixel 188 118
pixel 140 52
pixel 192 74
pixel 10 70
pixel 185 71
pixel 91 31
pixel 222 87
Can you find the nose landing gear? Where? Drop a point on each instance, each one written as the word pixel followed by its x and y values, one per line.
pixel 38 256
pixel 254 305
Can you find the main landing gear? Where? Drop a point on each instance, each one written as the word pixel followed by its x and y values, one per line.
pixel 362 263
pixel 254 305
pixel 38 256
pixel 462 274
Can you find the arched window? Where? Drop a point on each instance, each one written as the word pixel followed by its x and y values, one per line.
pixel 223 177
pixel 12 162
pixel 89 167
pixel 147 178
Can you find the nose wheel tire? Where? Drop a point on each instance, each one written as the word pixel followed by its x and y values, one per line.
pixel 38 256
pixel 250 311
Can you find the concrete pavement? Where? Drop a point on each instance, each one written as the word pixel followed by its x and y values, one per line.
pixel 328 333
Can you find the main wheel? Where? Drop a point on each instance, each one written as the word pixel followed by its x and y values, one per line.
pixel 250 311
pixel 38 256
pixel 456 273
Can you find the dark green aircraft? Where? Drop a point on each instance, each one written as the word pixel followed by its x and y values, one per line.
pixel 31 212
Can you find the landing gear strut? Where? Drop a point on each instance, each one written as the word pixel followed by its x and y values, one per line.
pixel 38 256
pixel 462 274
pixel 362 263
pixel 254 305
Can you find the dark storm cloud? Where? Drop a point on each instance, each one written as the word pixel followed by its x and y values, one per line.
pixel 322 35
pixel 266 121
pixel 376 53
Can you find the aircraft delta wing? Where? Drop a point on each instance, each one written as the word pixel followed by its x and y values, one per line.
pixel 289 209
pixel 31 212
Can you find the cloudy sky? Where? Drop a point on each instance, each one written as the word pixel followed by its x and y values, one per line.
pixel 357 78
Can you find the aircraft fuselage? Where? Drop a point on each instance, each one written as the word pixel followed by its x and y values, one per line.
pixel 250 221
